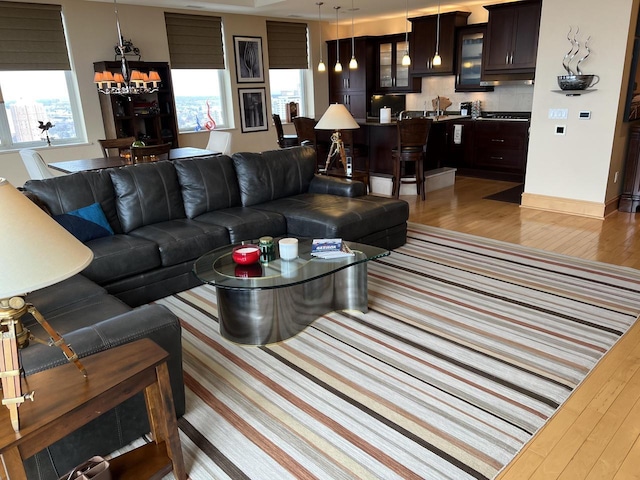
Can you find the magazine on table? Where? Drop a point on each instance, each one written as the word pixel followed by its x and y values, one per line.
pixel 330 248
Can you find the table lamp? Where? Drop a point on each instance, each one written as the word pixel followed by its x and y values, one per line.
pixel 35 252
pixel 336 118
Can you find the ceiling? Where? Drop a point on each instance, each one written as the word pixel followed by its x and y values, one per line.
pixel 363 10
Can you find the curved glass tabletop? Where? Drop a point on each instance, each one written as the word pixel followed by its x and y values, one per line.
pixel 218 268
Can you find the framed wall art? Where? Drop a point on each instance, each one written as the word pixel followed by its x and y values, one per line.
pixel 248 56
pixel 253 109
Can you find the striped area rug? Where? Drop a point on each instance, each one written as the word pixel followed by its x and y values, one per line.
pixel 468 348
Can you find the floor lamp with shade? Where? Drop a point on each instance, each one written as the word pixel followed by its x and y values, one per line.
pixel 35 252
pixel 336 118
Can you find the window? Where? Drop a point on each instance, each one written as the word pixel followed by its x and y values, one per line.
pixel 36 82
pixel 287 86
pixel 34 96
pixel 198 71
pixel 200 99
pixel 288 44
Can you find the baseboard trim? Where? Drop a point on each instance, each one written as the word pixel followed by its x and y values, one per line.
pixel 569 206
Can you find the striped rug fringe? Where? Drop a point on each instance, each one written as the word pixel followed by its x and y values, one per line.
pixel 469 347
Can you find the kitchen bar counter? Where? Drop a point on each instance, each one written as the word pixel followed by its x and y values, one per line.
pixel 376 140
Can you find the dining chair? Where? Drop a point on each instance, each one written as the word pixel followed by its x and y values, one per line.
pixel 284 141
pixel 219 142
pixel 412 144
pixel 35 164
pixel 115 146
pixel 150 153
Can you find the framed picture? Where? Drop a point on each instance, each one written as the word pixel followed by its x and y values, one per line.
pixel 248 55
pixel 253 109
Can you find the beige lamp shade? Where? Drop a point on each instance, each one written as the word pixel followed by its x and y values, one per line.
pixel 337 117
pixel 35 251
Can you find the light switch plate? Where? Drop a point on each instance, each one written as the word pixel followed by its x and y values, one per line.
pixel 558 113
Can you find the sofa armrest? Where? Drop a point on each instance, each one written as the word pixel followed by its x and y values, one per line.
pixel 337 186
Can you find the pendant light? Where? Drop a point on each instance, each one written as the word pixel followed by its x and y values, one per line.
pixel 353 64
pixel 406 59
pixel 321 65
pixel 338 66
pixel 437 60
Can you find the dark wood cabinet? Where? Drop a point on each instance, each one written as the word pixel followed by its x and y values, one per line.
pixel 630 198
pixel 469 41
pixel 460 151
pixel 148 117
pixel 511 44
pixel 351 87
pixel 501 146
pixel 391 75
pixel 424 33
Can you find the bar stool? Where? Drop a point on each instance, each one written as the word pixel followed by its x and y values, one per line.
pixel 412 143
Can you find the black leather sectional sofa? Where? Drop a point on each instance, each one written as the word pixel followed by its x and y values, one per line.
pixel 163 216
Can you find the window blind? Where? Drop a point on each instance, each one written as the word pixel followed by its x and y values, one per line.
pixel 32 37
pixel 195 41
pixel 287 45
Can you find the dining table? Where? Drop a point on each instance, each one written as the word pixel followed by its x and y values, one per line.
pixel 99 163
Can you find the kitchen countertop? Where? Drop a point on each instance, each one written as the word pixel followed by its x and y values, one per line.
pixel 442 118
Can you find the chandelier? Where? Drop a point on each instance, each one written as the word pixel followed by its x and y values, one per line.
pixel 126 82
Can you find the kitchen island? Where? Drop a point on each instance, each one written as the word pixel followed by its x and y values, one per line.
pixel 493 146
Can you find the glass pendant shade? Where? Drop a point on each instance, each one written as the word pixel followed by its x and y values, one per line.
pixel 322 67
pixel 437 60
pixel 406 59
pixel 353 64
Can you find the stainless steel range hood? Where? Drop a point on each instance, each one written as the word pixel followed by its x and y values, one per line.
pixel 507 79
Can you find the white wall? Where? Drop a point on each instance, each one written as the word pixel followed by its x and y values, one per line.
pixel 581 164
pixel 91 35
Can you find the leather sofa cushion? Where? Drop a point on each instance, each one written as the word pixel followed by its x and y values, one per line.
pixel 71 192
pixel 246 223
pixel 329 216
pixel 267 176
pixel 183 239
pixel 120 256
pixel 208 183
pixel 146 194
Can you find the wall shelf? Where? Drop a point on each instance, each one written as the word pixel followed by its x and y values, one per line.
pixel 574 93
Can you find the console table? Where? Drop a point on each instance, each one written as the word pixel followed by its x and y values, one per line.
pixel 65 400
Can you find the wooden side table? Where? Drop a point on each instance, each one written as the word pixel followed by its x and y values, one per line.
pixel 65 400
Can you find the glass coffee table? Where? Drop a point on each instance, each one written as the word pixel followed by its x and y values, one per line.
pixel 268 302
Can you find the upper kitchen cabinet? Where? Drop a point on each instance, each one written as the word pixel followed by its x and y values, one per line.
pixel 511 44
pixel 469 59
pixel 391 75
pixel 351 87
pixel 424 32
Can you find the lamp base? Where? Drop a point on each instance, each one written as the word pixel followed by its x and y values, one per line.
pixel 15 336
pixel 337 147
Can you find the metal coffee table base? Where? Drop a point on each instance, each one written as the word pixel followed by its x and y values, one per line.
pixel 259 317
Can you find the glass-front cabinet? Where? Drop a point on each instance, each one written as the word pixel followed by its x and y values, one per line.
pixel 392 75
pixel 469 68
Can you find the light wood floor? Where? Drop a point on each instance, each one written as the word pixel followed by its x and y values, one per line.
pixel 596 433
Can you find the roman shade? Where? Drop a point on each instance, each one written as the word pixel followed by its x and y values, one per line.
pixel 195 41
pixel 32 37
pixel 287 44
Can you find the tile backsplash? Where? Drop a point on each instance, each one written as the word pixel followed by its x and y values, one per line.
pixel 505 98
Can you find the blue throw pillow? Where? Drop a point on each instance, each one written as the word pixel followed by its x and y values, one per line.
pixel 86 223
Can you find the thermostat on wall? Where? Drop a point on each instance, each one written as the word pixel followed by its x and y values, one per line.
pixel 585 115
